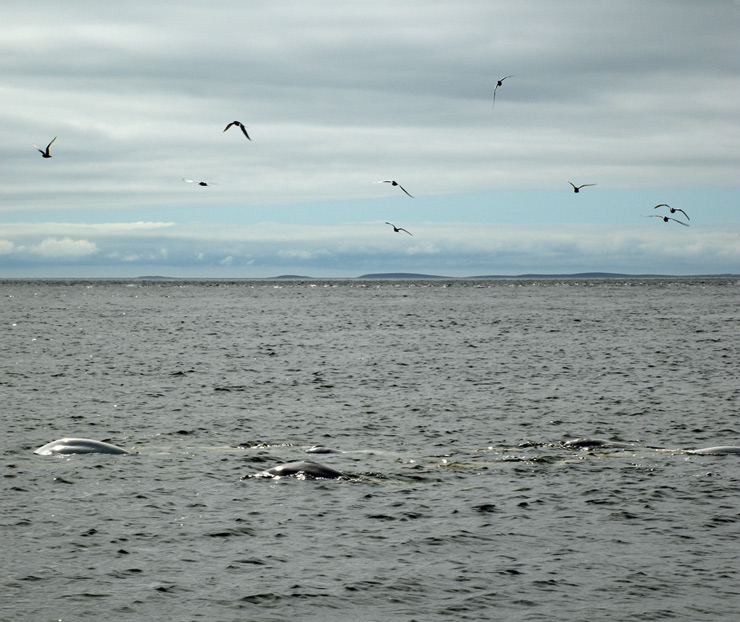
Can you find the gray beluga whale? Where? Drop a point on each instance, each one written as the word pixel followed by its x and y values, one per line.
pixel 722 450
pixel 301 468
pixel 78 446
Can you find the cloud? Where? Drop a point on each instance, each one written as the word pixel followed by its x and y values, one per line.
pixel 6 247
pixel 65 248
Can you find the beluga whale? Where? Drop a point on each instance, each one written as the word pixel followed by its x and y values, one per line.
pixel 722 450
pixel 301 469
pixel 78 446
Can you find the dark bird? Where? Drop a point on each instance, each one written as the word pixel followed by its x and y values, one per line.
pixel 666 219
pixel 200 183
pixel 673 210
pixel 578 188
pixel 393 183
pixel 240 125
pixel 498 84
pixel 45 153
pixel 397 229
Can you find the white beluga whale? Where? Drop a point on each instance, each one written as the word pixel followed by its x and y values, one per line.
pixel 320 449
pixel 587 443
pixel 301 469
pixel 722 450
pixel 78 446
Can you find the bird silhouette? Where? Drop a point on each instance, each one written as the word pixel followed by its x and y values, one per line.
pixel 498 84
pixel 673 210
pixel 666 219
pixel 200 183
pixel 578 188
pixel 240 125
pixel 393 183
pixel 397 229
pixel 45 153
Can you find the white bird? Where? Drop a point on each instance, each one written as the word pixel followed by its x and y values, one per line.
pixel 393 183
pixel 239 124
pixel 200 183
pixel 45 153
pixel 397 229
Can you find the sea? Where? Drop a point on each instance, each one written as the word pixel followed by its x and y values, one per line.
pixel 447 405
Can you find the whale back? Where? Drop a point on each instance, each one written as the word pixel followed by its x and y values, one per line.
pixel 301 467
pixel 716 451
pixel 78 446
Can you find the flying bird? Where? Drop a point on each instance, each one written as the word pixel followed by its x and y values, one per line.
pixel 45 153
pixel 578 188
pixel 673 210
pixel 200 183
pixel 240 125
pixel 498 84
pixel 666 219
pixel 393 183
pixel 397 229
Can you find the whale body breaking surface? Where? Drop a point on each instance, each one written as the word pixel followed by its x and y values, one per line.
pixel 302 468
pixel 78 446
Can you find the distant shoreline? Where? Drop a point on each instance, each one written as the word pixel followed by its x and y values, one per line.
pixel 387 276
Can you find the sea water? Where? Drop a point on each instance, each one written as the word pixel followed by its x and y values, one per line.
pixel 448 404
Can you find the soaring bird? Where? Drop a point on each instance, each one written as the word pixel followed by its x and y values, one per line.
pixel 45 153
pixel 578 188
pixel 673 210
pixel 393 183
pixel 498 84
pixel 200 183
pixel 240 125
pixel 397 229
pixel 666 219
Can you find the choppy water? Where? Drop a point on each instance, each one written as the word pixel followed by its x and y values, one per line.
pixel 450 400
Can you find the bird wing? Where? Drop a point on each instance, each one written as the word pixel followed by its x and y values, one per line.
pixel 244 129
pixel 37 148
pixel 189 181
pixel 584 185
pixel 661 205
pixel 404 189
pixel 229 125
pixel 684 213
pixel 50 144
pixel 404 230
pixel 679 222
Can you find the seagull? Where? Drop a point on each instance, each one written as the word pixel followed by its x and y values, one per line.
pixel 666 219
pixel 200 183
pixel 498 84
pixel 45 154
pixel 393 183
pixel 673 210
pixel 240 125
pixel 578 188
pixel 397 229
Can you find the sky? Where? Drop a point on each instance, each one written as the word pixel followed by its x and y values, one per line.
pixel 638 98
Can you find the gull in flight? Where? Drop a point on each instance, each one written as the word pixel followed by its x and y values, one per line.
pixel 498 84
pixel 397 229
pixel 578 188
pixel 393 183
pixel 673 210
pixel 200 183
pixel 45 153
pixel 240 125
pixel 666 219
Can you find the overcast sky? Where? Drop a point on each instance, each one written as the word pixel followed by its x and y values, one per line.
pixel 640 98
